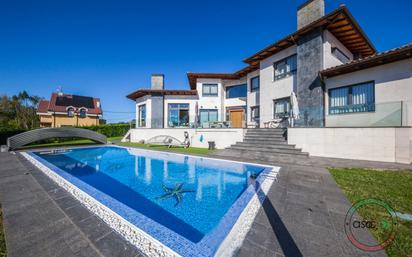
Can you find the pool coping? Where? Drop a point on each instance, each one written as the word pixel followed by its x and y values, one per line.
pixel 225 239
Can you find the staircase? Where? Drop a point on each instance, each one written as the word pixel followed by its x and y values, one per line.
pixel 267 145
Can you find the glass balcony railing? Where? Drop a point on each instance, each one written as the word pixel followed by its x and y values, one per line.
pixel 388 114
pixel 355 108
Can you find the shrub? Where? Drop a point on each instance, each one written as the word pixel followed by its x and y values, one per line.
pixel 7 132
pixel 110 130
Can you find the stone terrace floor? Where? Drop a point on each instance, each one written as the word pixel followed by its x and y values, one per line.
pixel 303 215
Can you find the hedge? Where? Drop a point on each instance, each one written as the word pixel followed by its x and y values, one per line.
pixel 109 130
pixel 6 133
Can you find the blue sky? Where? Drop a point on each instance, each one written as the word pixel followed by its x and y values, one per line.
pixel 108 49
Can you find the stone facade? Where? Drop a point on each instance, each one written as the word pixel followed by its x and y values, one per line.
pixel 309 85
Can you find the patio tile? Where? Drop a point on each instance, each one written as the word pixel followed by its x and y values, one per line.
pixel 114 245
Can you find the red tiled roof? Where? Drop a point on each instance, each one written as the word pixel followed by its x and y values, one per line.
pixel 43 106
pixel 59 103
pixel 143 92
pixel 389 56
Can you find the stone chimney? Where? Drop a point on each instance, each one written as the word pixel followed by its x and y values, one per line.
pixel 310 11
pixel 158 81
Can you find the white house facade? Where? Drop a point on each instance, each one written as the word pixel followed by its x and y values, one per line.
pixel 338 77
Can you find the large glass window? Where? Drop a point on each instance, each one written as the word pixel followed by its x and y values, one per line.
pixel 254 84
pixel 236 91
pixel 208 115
pixel 209 90
pixel 281 108
pixel 255 113
pixel 350 99
pixel 142 116
pixel 285 68
pixel 178 115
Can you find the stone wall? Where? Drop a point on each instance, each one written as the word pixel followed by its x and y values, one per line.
pixel 309 85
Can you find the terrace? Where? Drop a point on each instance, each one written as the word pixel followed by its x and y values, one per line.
pixel 302 214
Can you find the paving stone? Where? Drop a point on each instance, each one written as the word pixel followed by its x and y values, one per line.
pixel 58 193
pixel 94 228
pixel 78 213
pixel 114 245
pixel 67 202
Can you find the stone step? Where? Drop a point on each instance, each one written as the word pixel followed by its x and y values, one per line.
pixel 270 145
pixel 262 140
pixel 268 150
pixel 264 157
pixel 263 136
pixel 266 129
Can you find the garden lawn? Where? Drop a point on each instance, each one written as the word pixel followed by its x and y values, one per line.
pixel 393 187
pixel 190 150
pixel 77 142
pixel 2 241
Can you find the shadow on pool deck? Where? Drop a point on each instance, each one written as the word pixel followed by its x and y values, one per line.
pixel 286 242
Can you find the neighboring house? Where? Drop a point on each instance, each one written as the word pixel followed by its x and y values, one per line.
pixel 69 110
pixel 330 64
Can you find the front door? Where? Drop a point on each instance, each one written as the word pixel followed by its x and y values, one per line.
pixel 236 117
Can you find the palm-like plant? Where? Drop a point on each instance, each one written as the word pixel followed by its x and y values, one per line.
pixel 176 192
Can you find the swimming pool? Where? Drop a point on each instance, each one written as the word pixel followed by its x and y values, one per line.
pixel 187 204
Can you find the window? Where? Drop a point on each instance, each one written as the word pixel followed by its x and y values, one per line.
pixel 341 56
pixel 142 116
pixel 208 115
pixel 255 113
pixel 352 99
pixel 285 67
pixel 254 84
pixel 281 108
pixel 70 112
pixel 209 90
pixel 178 115
pixel 82 113
pixel 236 91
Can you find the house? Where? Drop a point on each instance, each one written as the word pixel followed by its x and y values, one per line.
pixel 337 75
pixel 69 110
pixel 301 62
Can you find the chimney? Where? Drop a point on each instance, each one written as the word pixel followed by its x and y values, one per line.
pixel 310 11
pixel 158 81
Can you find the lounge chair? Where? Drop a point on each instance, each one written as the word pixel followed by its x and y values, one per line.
pixel 169 141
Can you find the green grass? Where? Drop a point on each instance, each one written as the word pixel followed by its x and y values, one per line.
pixel 116 140
pixel 69 143
pixel 3 252
pixel 393 187
pixel 190 150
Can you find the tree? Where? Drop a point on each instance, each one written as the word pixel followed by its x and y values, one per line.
pixel 19 111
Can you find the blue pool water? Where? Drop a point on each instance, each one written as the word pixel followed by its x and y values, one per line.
pixel 145 181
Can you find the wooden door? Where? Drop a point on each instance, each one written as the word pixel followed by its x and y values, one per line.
pixel 236 117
